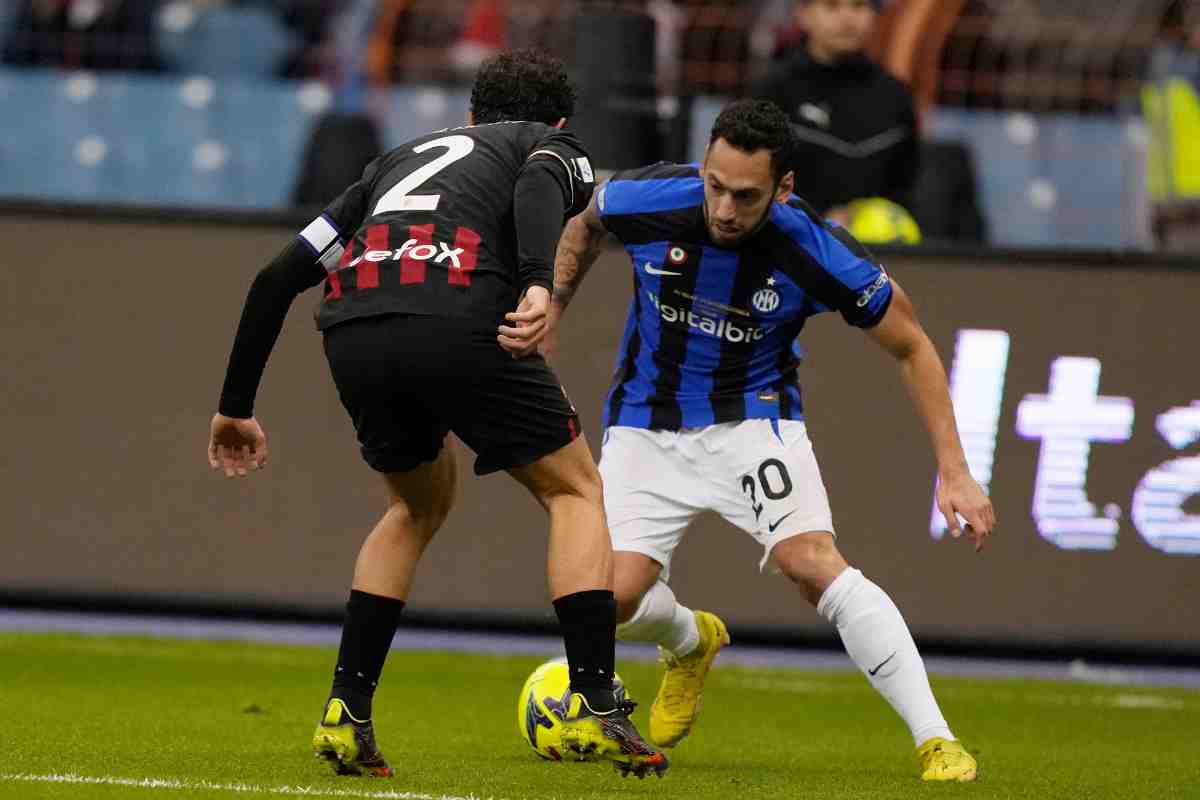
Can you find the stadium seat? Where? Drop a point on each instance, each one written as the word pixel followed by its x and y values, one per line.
pixel 268 125
pixel 61 145
pixel 1040 184
pixel 138 139
pixel 1008 173
pixel 413 111
pixel 1091 208
pixel 224 40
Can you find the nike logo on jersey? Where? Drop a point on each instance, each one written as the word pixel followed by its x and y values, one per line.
pixel 872 672
pixel 772 526
pixel 653 270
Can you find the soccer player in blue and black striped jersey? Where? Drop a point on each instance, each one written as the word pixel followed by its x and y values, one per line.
pixel 705 412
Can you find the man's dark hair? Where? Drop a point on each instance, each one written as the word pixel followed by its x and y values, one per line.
pixel 522 85
pixel 753 125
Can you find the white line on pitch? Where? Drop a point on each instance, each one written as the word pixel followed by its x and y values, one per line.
pixel 244 788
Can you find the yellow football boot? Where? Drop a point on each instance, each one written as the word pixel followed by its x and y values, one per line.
pixel 593 735
pixel 348 744
pixel 945 760
pixel 678 701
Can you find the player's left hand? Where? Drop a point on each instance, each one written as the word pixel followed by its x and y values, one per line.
pixel 528 323
pixel 959 494
pixel 236 445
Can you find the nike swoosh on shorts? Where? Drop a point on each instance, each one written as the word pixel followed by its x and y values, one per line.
pixel 772 526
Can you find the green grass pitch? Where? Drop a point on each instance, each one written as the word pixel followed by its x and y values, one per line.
pixel 100 716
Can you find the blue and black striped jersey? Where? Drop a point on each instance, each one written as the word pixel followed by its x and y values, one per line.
pixel 711 332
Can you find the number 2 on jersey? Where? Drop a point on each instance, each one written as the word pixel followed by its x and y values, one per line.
pixel 400 197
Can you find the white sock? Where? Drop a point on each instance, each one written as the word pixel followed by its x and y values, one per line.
pixel 878 641
pixel 660 619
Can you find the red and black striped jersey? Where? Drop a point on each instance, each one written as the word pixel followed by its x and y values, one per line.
pixel 429 228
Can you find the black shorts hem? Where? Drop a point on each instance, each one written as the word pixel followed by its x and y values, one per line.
pixel 390 463
pixel 486 464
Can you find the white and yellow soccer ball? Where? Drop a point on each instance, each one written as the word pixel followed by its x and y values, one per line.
pixel 877 220
pixel 542 705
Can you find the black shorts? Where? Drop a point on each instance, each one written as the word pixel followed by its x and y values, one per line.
pixel 407 380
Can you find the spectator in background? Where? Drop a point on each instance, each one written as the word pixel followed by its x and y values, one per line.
pixel 484 34
pixel 83 34
pixel 313 22
pixel 447 40
pixel 855 125
pixel 412 40
pixel 247 38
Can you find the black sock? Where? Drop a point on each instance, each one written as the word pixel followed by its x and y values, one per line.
pixel 367 633
pixel 589 629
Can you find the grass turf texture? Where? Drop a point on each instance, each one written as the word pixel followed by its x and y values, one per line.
pixel 239 716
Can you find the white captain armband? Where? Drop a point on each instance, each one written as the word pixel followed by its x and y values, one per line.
pixel 323 240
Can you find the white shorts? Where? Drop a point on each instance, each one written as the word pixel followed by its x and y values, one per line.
pixel 761 475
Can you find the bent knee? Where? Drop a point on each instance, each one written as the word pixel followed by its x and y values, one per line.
pixel 629 596
pixel 581 481
pixel 627 606
pixel 634 574
pixel 810 559
pixel 424 517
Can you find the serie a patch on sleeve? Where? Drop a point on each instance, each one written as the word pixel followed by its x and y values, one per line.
pixel 583 169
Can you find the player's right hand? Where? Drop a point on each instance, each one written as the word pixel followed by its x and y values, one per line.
pixel 959 493
pixel 237 446
pixel 527 325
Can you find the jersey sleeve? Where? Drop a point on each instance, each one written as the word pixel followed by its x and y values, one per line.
pixel 327 236
pixel 650 203
pixel 836 271
pixel 576 177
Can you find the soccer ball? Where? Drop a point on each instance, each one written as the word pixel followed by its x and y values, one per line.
pixel 543 703
pixel 876 220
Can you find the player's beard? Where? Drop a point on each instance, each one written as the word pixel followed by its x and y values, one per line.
pixel 730 244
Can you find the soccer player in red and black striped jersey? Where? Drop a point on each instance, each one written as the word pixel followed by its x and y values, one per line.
pixel 437 268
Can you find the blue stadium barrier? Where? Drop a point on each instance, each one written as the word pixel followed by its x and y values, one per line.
pixel 1009 171
pixel 224 41
pixel 232 143
pixel 196 141
pixel 413 111
pixel 1057 180
pixel 235 142
pixel 58 139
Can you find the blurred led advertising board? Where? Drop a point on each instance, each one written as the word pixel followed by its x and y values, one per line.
pixel 1076 383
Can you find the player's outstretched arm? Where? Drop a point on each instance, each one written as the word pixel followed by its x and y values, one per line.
pixel 236 441
pixel 901 334
pixel 581 243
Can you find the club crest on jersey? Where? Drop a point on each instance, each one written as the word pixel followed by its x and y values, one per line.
pixel 676 255
pixel 765 300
